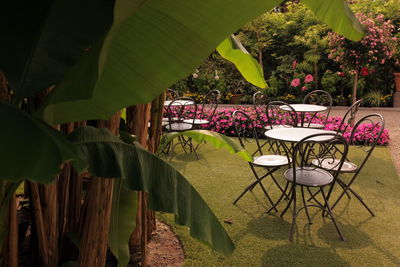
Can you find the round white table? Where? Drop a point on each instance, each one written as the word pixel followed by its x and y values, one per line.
pixel 295 135
pixel 179 102
pixel 304 108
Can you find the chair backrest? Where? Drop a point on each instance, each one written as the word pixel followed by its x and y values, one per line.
pixel 322 98
pixel 171 94
pixel 181 108
pixel 277 116
pixel 366 134
pixel 245 130
pixel 210 105
pixel 260 101
pixel 349 117
pixel 310 152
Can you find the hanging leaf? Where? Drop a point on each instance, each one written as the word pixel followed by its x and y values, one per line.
pixel 168 190
pixel 123 221
pixel 338 16
pixel 216 139
pixel 30 149
pixel 232 50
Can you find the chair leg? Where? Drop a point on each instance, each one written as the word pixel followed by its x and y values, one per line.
pixel 294 215
pixel 305 205
pixel 328 210
pixel 362 201
pixel 280 198
pixel 290 201
pixel 245 191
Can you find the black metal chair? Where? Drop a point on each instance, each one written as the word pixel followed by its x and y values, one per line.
pixel 246 132
pixel 260 101
pixel 321 98
pixel 171 94
pixel 365 140
pixel 208 109
pixel 276 117
pixel 304 174
pixel 349 117
pixel 181 113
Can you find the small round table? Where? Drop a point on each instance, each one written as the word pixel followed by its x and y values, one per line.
pixel 295 135
pixel 303 108
pixel 178 102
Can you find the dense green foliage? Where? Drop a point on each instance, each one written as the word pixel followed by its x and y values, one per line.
pixel 292 43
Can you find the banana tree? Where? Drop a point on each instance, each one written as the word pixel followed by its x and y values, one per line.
pixel 103 56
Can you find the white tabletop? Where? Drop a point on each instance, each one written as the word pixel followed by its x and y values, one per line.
pixel 178 102
pixel 297 134
pixel 304 108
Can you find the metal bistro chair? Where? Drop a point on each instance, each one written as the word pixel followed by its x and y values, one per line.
pixel 207 111
pixel 322 98
pixel 278 118
pixel 349 117
pixel 171 94
pixel 304 174
pixel 365 139
pixel 181 114
pixel 246 132
pixel 260 101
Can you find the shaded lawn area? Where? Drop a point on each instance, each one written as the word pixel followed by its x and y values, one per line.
pixel 262 239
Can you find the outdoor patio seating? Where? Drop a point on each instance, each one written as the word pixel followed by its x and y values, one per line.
pixel 207 110
pixel 247 133
pixel 303 174
pixel 349 117
pixel 372 125
pixel 320 98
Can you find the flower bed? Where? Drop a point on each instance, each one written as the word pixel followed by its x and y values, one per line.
pixel 223 123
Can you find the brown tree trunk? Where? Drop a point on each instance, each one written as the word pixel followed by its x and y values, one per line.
pixel 355 83
pixel 96 220
pixel 137 118
pixel 9 250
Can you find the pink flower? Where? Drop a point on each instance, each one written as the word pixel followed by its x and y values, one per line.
pixel 309 78
pixel 294 64
pixel 295 82
pixel 304 88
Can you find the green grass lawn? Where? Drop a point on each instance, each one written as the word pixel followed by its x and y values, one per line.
pixel 262 239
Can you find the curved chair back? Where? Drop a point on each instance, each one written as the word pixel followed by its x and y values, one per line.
pixel 171 94
pixel 310 152
pixel 245 130
pixel 210 105
pixel 278 116
pixel 349 117
pixel 366 134
pixel 322 98
pixel 179 109
pixel 260 101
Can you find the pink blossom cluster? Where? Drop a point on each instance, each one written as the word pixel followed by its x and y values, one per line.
pixel 377 45
pixel 222 122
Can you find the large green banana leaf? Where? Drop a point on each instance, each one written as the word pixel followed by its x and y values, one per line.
pixel 153 46
pixel 168 190
pixel 216 139
pixel 29 148
pixel 123 221
pixel 232 50
pixel 41 40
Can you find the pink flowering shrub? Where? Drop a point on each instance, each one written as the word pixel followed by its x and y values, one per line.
pixel 222 123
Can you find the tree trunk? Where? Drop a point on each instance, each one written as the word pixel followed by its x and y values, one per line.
pixel 355 83
pixel 316 75
pixel 9 249
pixel 95 223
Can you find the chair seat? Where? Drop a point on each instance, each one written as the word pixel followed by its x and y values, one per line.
pixel 312 125
pixel 309 176
pixel 333 165
pixel 173 119
pixel 268 127
pixel 179 126
pixel 197 121
pixel 271 160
